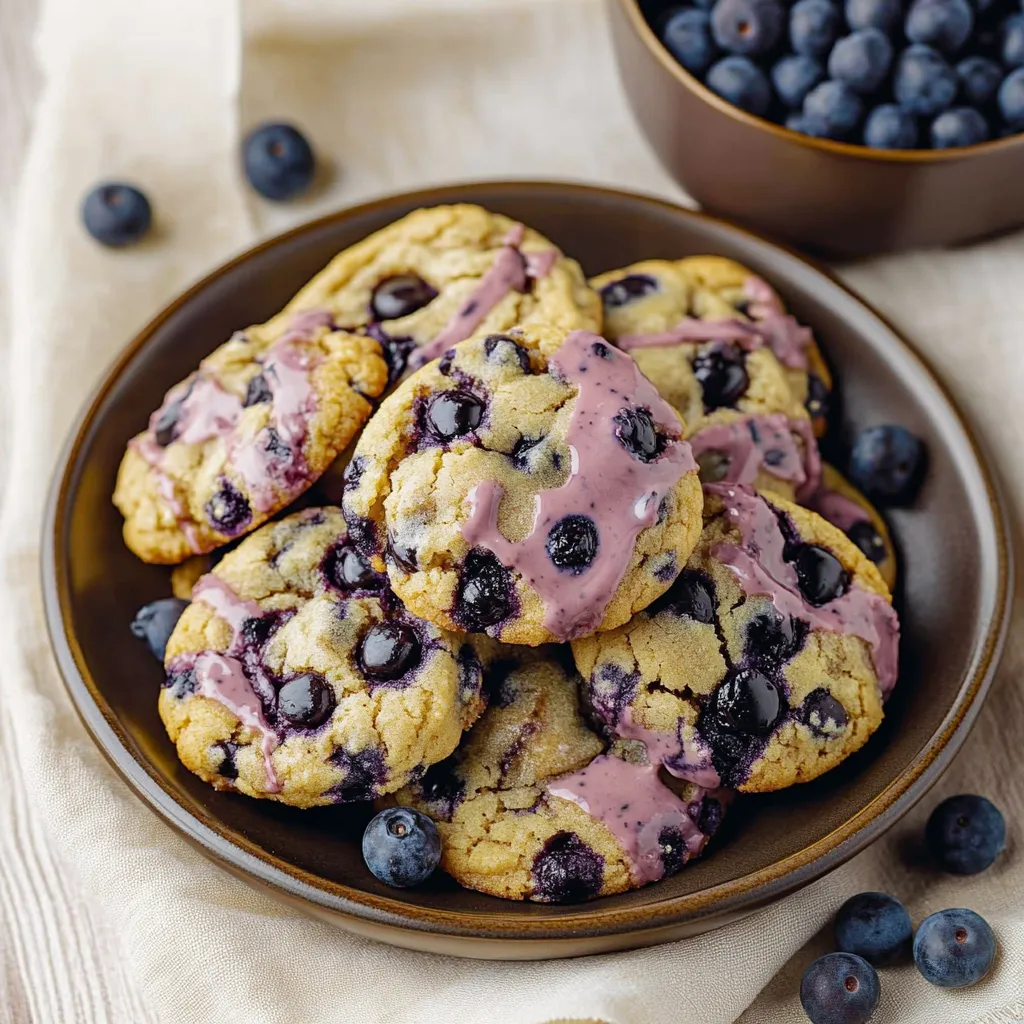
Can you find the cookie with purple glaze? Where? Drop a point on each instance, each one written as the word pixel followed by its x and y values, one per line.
pixel 663 304
pixel 766 663
pixel 296 675
pixel 532 807
pixel 445 274
pixel 838 501
pixel 528 496
pixel 245 435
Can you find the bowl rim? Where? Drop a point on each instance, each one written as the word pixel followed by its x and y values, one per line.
pixel 640 25
pixel 362 909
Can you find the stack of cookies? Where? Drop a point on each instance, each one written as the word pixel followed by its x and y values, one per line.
pixel 556 563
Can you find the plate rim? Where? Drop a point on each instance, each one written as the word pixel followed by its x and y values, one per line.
pixel 588 920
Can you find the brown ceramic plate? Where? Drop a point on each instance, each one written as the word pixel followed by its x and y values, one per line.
pixel 955 575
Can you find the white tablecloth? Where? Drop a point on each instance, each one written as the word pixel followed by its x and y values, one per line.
pixel 396 93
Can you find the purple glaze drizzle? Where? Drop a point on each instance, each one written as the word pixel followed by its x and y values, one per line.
pixel 618 492
pixel 689 760
pixel 509 272
pixel 764 441
pixel 769 325
pixel 635 806
pixel 274 459
pixel 760 568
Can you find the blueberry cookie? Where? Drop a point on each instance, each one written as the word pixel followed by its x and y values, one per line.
pixel 765 664
pixel 446 274
pixel 242 437
pixel 295 675
pixel 531 807
pixel 666 303
pixel 838 501
pixel 529 496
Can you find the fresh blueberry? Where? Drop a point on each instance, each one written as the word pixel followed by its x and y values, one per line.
pixel 258 391
pixel 747 27
pixel 794 77
pixel 116 214
pixel 823 714
pixel 881 14
pixel 566 870
pixel 861 60
pixel 742 83
pixel 228 510
pixel 572 543
pixel 154 623
pixel 278 161
pixel 627 289
pixel 399 296
pixel 961 126
pixel 638 433
pixel 389 650
pixel 944 24
pixel 924 84
pixel 979 80
pixel 722 375
pixel 839 988
pixel 954 948
pixel 686 33
pixel 887 463
pixel 306 701
pixel 401 847
pixel 452 414
pixel 1011 99
pixel 875 926
pixel 819 573
pixel 835 107
pixel 1011 36
pixel 814 26
pixel 866 536
pixel 965 834
pixel 748 702
pixel 890 127
pixel 484 596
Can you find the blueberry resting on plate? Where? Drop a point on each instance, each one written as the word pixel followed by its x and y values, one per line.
pixel 401 847
pixel 883 14
pixel 814 26
pixel 747 27
pixel 686 33
pixel 944 24
pixel 861 60
pixel 839 988
pixel 961 126
pixel 116 214
pixel 965 834
pixel 887 463
pixel 278 161
pixel 875 926
pixel 954 948
pixel 889 126
pixel 155 622
pixel 794 77
pixel 742 83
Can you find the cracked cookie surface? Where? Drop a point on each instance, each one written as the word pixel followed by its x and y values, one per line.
pixel 444 274
pixel 766 663
pixel 245 435
pixel 513 807
pixel 527 496
pixel 672 304
pixel 295 675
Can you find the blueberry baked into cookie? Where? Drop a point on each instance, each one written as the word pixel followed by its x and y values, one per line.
pixel 445 274
pixel 532 807
pixel 767 662
pixel 664 304
pixel 531 497
pixel 242 437
pixel 295 675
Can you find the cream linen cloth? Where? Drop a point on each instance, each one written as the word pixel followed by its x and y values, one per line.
pixel 396 93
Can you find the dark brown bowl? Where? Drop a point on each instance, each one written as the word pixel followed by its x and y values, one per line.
pixel 828 197
pixel 953 543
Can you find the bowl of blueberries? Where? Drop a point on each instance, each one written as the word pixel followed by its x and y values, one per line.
pixel 846 127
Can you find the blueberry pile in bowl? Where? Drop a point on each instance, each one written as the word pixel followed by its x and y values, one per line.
pixel 547 569
pixel 888 74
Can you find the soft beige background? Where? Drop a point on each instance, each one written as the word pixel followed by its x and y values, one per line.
pixel 104 914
